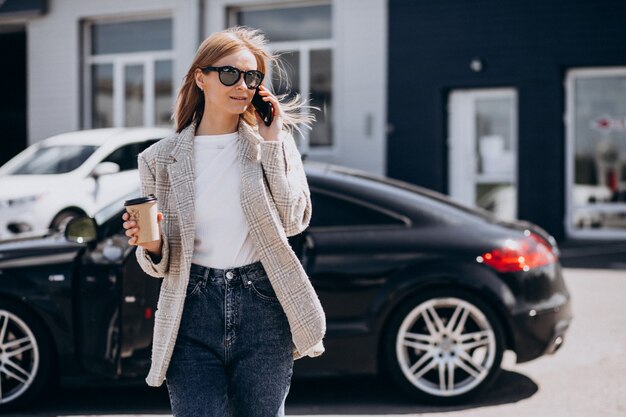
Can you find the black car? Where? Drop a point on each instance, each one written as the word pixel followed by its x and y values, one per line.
pixel 413 285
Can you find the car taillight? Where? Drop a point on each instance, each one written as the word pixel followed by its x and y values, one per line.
pixel 522 254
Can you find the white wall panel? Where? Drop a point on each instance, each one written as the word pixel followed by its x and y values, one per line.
pixel 360 93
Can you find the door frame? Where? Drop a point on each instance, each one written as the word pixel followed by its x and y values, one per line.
pixel 461 169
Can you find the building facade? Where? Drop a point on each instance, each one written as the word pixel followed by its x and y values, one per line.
pixel 93 64
pixel 519 108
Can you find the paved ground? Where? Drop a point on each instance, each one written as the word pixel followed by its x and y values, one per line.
pixel 586 378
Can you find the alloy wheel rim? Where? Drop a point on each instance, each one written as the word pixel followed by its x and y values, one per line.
pixel 19 357
pixel 445 346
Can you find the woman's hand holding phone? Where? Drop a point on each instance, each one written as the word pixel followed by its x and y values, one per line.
pixel 271 132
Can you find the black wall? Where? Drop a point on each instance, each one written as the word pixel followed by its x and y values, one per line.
pixel 528 45
pixel 12 94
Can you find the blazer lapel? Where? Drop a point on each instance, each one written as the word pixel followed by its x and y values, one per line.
pixel 250 168
pixel 181 176
pixel 248 141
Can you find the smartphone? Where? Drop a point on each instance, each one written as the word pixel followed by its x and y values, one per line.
pixel 264 108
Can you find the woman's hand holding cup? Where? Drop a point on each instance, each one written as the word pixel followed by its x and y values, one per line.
pixel 141 213
pixel 132 231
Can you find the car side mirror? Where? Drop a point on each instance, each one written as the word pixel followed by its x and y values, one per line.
pixel 81 230
pixel 105 168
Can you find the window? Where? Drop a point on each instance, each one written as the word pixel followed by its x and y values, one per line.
pixel 145 145
pixel 596 128
pixel 302 35
pixel 126 156
pixel 128 73
pixel 329 211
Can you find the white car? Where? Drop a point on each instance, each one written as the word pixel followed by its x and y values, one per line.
pixel 68 175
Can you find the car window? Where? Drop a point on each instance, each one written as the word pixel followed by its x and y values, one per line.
pixel 331 211
pixel 126 156
pixel 144 145
pixel 417 190
pixel 54 160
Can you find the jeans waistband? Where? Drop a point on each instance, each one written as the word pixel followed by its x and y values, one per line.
pixel 251 271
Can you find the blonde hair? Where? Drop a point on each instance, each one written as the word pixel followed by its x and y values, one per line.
pixel 189 106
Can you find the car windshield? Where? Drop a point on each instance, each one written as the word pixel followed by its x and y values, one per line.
pixel 54 160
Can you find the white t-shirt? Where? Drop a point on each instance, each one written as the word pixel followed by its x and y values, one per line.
pixel 222 233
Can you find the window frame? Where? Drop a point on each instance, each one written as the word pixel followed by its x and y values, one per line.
pixel 119 61
pixel 463 176
pixel 304 48
pixel 571 230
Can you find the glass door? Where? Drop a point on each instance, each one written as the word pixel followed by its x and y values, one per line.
pixel 482 146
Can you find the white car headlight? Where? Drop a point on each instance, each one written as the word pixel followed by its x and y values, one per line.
pixel 21 201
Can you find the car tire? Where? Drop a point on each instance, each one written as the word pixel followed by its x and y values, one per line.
pixel 444 346
pixel 26 367
pixel 61 219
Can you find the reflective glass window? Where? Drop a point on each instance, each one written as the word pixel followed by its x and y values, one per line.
pixel 286 80
pixel 136 36
pixel 321 97
pixel 330 211
pixel 599 155
pixel 133 95
pixel 125 157
pixel 163 92
pixel 102 95
pixel 289 23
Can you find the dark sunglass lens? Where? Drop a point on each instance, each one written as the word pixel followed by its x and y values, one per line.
pixel 253 79
pixel 229 76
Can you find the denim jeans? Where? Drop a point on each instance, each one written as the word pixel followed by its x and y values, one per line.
pixel 233 353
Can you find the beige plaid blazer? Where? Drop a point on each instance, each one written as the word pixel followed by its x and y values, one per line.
pixel 276 203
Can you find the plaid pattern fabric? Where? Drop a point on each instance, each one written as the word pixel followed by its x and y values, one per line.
pixel 276 203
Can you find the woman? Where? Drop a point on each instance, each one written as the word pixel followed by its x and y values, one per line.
pixel 236 307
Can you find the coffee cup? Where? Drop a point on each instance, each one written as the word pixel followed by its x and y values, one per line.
pixel 143 211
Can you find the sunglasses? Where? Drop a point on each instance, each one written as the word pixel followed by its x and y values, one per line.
pixel 230 76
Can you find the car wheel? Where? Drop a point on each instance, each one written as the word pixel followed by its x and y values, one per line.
pixel 25 356
pixel 60 220
pixel 444 346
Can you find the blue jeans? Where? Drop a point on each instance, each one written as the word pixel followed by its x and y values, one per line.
pixel 233 354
